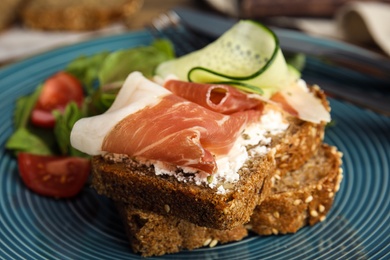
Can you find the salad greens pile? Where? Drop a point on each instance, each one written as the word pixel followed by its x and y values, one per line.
pixel 101 75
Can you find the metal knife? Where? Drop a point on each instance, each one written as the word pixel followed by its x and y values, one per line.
pixel 375 66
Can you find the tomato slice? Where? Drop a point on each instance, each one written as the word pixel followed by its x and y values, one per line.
pixel 54 176
pixel 56 93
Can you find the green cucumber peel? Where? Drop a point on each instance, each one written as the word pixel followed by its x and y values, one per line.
pixel 247 56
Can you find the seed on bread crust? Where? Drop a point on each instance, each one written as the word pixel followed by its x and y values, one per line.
pixel 308 199
pixel 297 202
pixel 213 243
pixel 314 213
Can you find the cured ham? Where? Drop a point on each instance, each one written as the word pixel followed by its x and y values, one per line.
pixel 298 101
pixel 294 99
pixel 220 98
pixel 177 131
pixel 149 122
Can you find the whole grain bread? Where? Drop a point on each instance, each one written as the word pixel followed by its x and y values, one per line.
pixel 301 197
pixel 151 234
pixel 9 12
pixel 301 140
pixel 125 180
pixel 137 184
pixel 76 15
pixel 286 210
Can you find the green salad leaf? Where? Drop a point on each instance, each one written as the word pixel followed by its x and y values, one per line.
pixel 26 137
pixel 23 140
pixel 24 106
pixel 101 74
pixel 145 59
pixel 63 127
pixel 86 69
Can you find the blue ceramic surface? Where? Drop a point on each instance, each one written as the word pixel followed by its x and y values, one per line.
pixel 87 227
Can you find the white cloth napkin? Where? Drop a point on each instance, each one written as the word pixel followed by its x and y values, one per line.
pixel 361 23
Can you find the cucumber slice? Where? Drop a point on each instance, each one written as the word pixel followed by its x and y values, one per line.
pixel 247 56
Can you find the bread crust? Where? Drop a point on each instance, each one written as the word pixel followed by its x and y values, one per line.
pixel 151 234
pixel 290 207
pixel 136 184
pixel 302 197
pixel 301 140
pixel 76 15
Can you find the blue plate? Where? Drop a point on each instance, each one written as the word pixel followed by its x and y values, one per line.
pixel 88 227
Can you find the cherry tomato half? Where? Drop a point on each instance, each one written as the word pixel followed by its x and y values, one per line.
pixel 54 176
pixel 57 92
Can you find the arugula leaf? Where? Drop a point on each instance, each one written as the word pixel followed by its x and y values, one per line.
pixel 166 47
pixel 145 59
pixel 63 127
pixel 86 69
pixel 22 140
pixel 105 70
pixel 26 137
pixel 24 106
pixel 297 60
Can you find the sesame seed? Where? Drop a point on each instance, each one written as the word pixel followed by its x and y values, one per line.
pixel 297 202
pixel 248 226
pixel 313 131
pixel 207 242
pixel 213 243
pixel 337 187
pixel 272 181
pixel 319 187
pixel 322 218
pixel 308 199
pixel 285 157
pixel 275 231
pixel 331 194
pixel 321 208
pixel 167 208
pixel 283 165
pixel 276 214
pixel 314 213
pixel 277 177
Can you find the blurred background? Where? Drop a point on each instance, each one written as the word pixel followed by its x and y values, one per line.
pixel 28 27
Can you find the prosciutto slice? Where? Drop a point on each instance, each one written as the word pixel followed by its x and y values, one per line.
pixel 220 98
pixel 299 102
pixel 176 131
pixel 149 122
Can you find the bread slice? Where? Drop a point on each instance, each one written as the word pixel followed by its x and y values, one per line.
pixel 137 184
pixel 301 197
pixel 152 234
pixel 76 15
pixel 9 12
pixel 128 181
